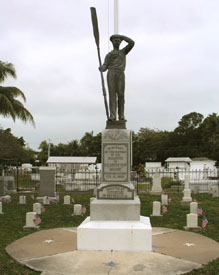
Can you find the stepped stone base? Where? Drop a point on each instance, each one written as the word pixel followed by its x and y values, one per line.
pixel 115 235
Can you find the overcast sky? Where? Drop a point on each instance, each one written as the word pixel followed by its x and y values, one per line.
pixel 172 70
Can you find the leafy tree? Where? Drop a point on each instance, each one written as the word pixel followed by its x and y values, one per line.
pixel 149 145
pixel 43 154
pixel 9 105
pixel 189 122
pixel 11 149
pixel 210 136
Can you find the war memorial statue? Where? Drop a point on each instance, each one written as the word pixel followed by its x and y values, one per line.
pixel 115 62
pixel 115 223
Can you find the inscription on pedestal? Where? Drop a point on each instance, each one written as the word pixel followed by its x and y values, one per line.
pixel 115 165
pixel 115 192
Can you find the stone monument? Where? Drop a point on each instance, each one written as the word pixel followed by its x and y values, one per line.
pixel 156 185
pixel 186 192
pixel 7 185
pixel 115 222
pixel 47 182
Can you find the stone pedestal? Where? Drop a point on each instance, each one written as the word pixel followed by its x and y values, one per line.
pixel 115 235
pixel 156 185
pixel 115 222
pixel 115 210
pixel 47 181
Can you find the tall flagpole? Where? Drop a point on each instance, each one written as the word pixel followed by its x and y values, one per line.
pixel 116 16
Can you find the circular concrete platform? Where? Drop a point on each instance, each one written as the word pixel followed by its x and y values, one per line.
pixel 55 251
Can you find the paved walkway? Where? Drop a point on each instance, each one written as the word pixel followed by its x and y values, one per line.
pixel 54 253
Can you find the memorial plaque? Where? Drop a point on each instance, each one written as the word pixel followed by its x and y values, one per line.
pixel 116 156
pixel 117 192
pixel 115 166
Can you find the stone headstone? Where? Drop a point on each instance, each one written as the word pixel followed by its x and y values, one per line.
pixel 47 181
pixel 187 195
pixel 37 208
pixel 7 185
pixel 77 209
pixel 1 208
pixel 186 182
pixel 215 191
pixel 193 207
pixel 196 189
pixel 45 200
pixel 164 199
pixel 6 198
pixel 67 199
pixel 156 185
pixel 22 199
pixel 156 209
pixel 210 185
pixel 30 216
pixel 2 189
pixel 192 221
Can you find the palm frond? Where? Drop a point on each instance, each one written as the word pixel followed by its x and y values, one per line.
pixel 6 107
pixel 12 92
pixel 6 69
pixel 22 113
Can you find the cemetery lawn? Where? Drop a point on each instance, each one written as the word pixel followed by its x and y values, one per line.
pixel 59 215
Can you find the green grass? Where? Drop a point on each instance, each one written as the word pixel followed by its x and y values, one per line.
pixel 59 215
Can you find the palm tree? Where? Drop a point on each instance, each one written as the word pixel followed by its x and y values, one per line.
pixel 9 105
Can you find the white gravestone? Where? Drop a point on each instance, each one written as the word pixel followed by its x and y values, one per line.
pixel 1 208
pixel 156 209
pixel 30 216
pixel 77 209
pixel 7 198
pixel 187 196
pixel 191 221
pixel 215 190
pixel 22 199
pixel 37 208
pixel 164 199
pixel 186 182
pixel 187 191
pixel 67 199
pixel 45 200
pixel 193 207
pixel 156 186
